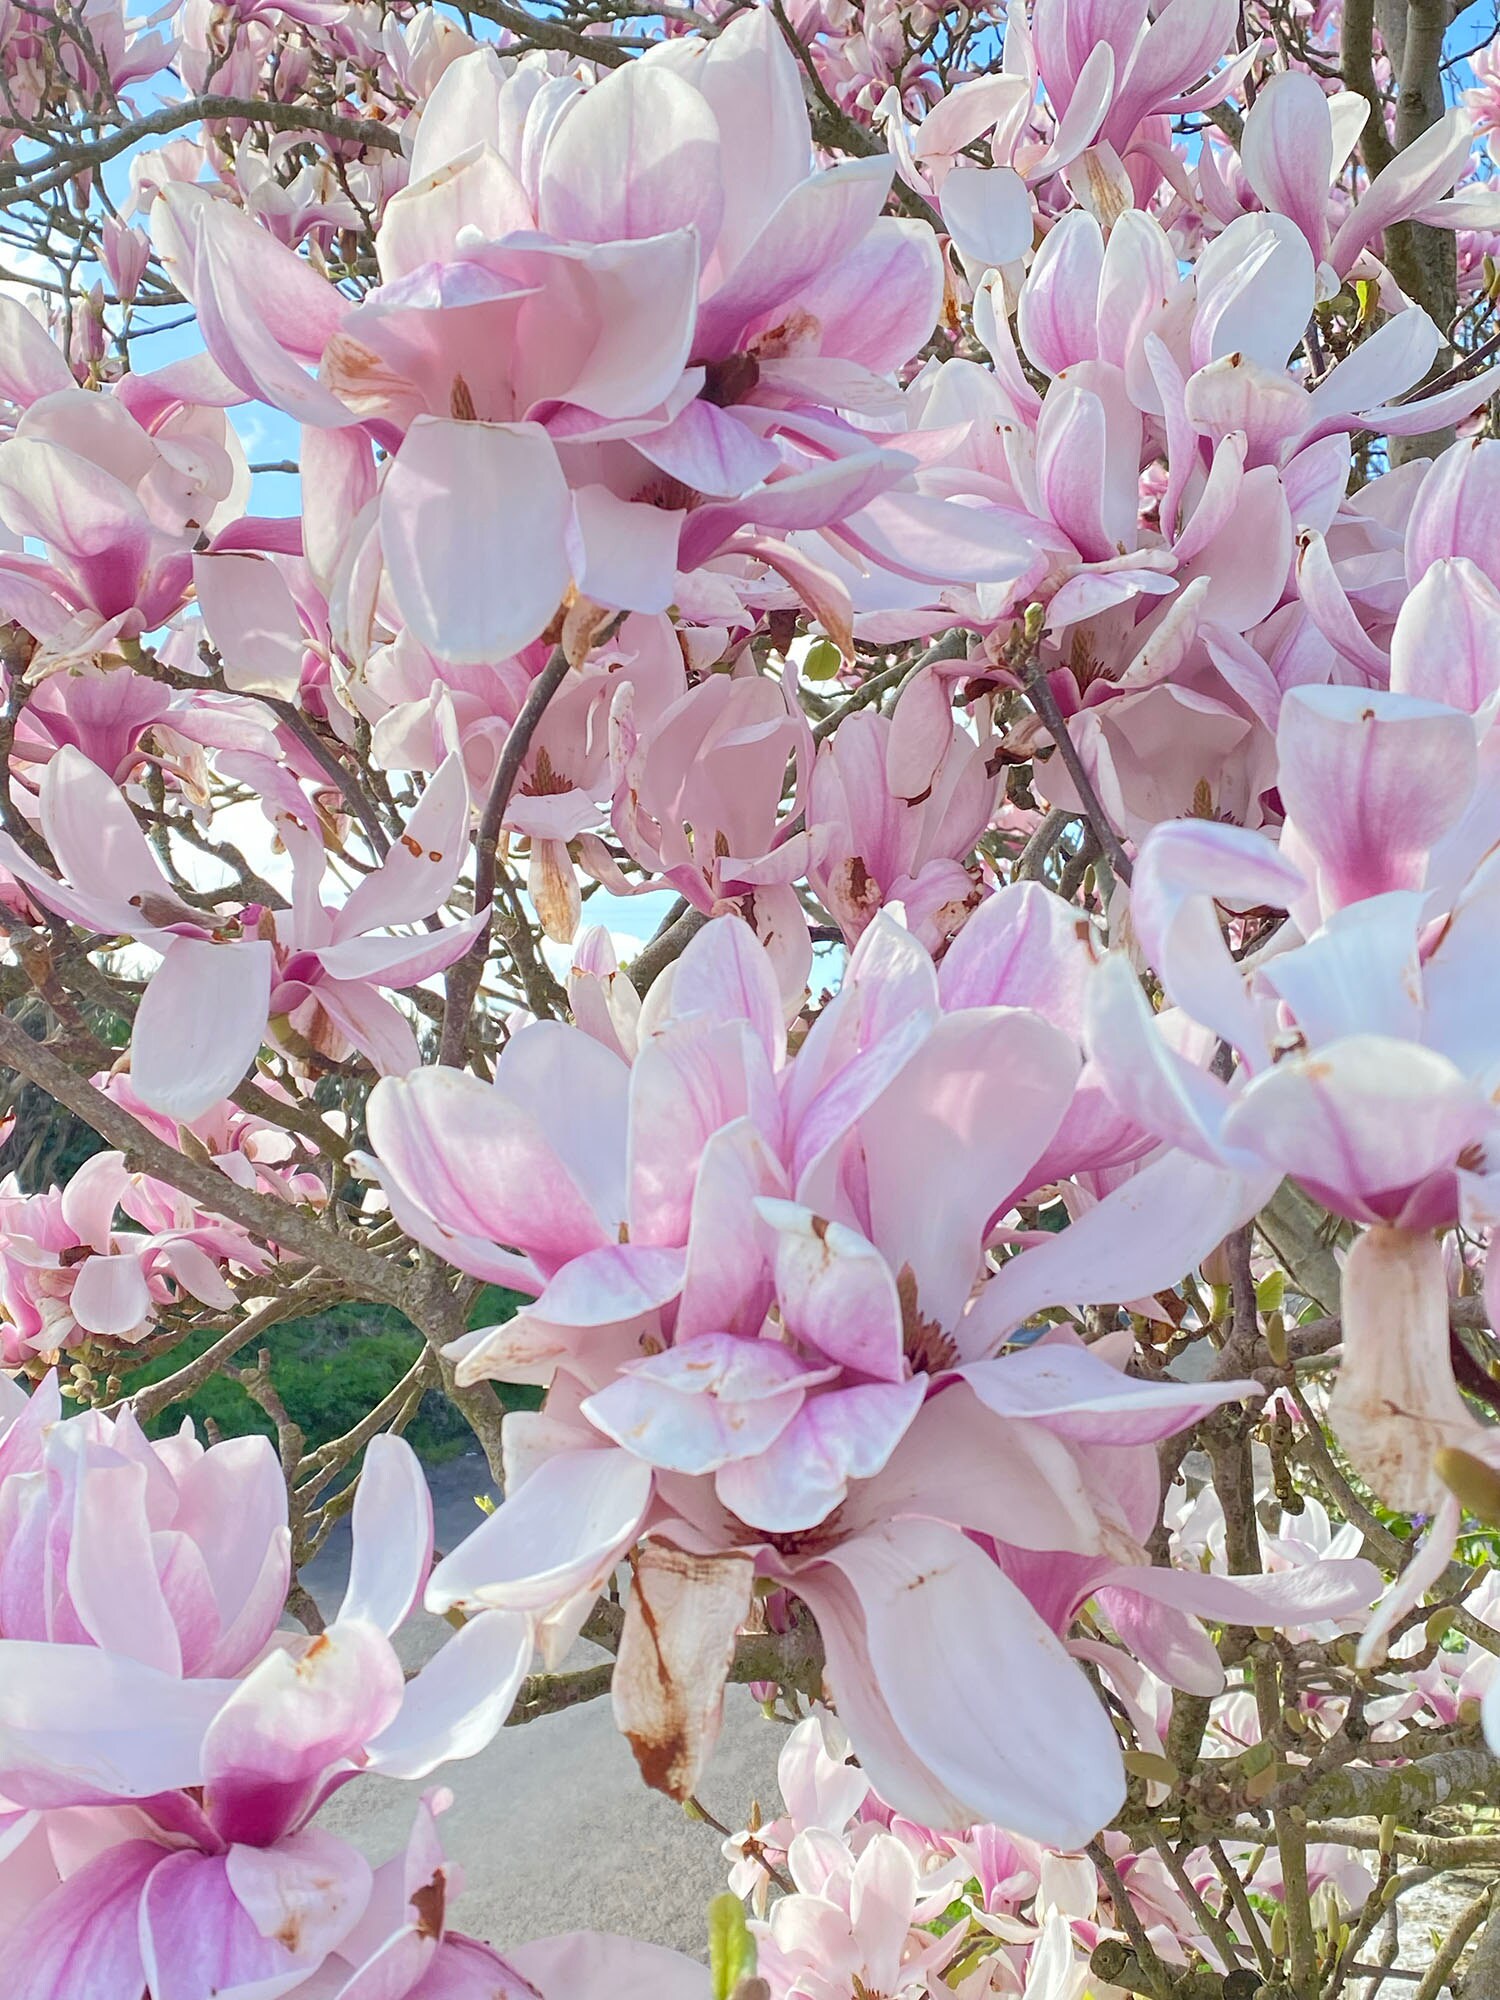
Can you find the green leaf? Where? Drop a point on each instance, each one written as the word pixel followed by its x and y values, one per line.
pixel 731 1948
pixel 823 661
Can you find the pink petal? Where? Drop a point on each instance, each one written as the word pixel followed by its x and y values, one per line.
pixel 637 155
pixel 558 1534
pixel 804 1474
pixel 418 874
pixel 459 1701
pixel 463 500
pixel 251 619
pixel 960 1703
pixel 836 1290
pixel 290 1724
pixel 83 1938
pixel 1372 782
pixel 200 1023
pixel 392 1536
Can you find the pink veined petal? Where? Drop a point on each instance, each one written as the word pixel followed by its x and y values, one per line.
pixel 1184 869
pixel 199 1026
pixel 726 1280
pixel 262 310
pixel 467 499
pixel 478 1164
pixel 111 1568
pixel 1146 1079
pixel 815 225
pixel 1083 1398
pixel 992 1720
pixel 637 155
pixel 1372 782
pixel 1287 152
pixel 110 1296
pixel 459 1701
pixel 587 1965
pixel 1340 1587
pixel 1443 646
pixel 952 1138
pixel 92 523
pixel 83 1938
pixel 752 84
pixel 1426 168
pixel 421 222
pixel 392 1536
pixel 33 364
pixel 557 1534
pixel 398 963
pixel 376 1027
pixel 94 837
pixel 79 1726
pixel 1162 1637
pixel 1143 1235
pixel 292 1723
pixel 836 1290
pixel 251 619
pixel 804 1474
pixel 1056 315
pixel 91 1197
pixel 1362 1121
pixel 725 974
pixel 959 1462
pixel 418 874
pixel 196 1938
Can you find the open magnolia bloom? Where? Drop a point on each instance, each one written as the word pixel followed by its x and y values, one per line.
pixel 753 1282
pixel 204 1015
pixel 1361 1031
pixel 174 1807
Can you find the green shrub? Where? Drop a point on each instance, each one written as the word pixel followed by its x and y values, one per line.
pixel 330 1370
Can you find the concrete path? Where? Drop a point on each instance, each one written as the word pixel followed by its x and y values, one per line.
pixel 551 1825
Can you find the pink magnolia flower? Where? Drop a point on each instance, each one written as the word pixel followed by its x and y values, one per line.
pixel 195 1867
pixel 816 1443
pixel 895 806
pixel 167 1553
pixel 204 1013
pixel 1362 1075
pixel 68 1273
pixel 724 302
pixel 115 504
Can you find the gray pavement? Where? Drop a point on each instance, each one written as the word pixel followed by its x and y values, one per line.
pixel 551 1824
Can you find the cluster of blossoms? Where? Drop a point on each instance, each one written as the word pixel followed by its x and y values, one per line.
pixel 1001 498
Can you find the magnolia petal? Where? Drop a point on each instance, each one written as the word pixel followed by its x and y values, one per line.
pixel 675 1650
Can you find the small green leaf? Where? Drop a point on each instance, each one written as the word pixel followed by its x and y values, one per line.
pixel 731 1948
pixel 823 661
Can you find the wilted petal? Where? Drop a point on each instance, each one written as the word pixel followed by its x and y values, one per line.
pixel 675 1649
pixel 1395 1403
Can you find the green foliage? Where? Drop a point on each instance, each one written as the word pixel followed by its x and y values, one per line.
pixel 330 1370
pixel 731 1948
